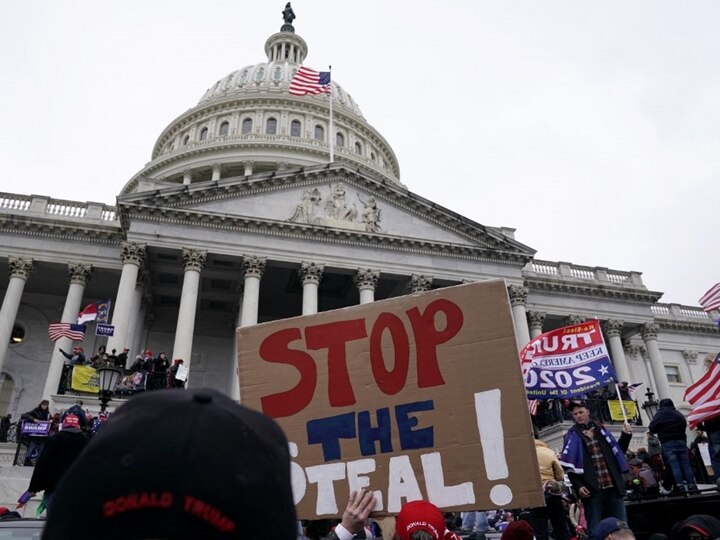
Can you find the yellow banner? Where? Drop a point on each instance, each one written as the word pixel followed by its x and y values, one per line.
pixel 85 379
pixel 616 412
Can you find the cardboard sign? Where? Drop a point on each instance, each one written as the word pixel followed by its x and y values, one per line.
pixel 418 397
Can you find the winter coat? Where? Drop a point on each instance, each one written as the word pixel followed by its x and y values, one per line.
pixel 669 424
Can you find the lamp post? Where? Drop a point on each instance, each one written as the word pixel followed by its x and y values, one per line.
pixel 108 379
pixel 650 406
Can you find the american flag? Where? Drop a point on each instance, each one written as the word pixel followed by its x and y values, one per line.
pixel 533 406
pixel 76 332
pixel 704 395
pixel 309 81
pixel 711 299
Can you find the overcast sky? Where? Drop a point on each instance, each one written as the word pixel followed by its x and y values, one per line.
pixel 593 128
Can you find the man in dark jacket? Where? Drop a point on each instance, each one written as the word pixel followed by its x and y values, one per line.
pixel 59 453
pixel 595 463
pixel 669 425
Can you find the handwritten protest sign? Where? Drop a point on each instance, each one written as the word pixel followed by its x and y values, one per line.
pixel 416 397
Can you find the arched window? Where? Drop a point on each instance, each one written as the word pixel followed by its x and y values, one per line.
pixel 319 133
pixel 203 134
pixel 271 126
pixel 358 148
pixel 247 126
pixel 372 156
pixel 224 128
pixel 339 140
pixel 17 335
pixel 277 74
pixel 186 140
pixel 295 128
pixel 260 74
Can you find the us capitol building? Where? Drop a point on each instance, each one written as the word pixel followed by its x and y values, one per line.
pixel 239 218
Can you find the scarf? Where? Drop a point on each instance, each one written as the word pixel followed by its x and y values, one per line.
pixel 572 455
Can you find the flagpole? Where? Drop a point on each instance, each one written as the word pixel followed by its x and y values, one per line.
pixel 622 405
pixel 331 135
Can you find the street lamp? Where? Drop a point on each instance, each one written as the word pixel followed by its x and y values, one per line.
pixel 650 406
pixel 108 379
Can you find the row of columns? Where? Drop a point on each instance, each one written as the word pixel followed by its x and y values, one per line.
pixel 217 172
pixel 529 325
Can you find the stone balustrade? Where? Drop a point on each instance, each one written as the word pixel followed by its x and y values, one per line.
pixel 590 274
pixel 679 312
pixel 40 206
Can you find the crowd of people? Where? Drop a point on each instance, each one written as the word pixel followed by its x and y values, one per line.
pixel 132 460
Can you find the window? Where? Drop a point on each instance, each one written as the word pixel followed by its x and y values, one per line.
pixel 673 374
pixel 244 76
pixel 271 126
pixel 372 156
pixel 295 128
pixel 260 74
pixel 358 148
pixel 339 140
pixel 224 128
pixel 277 74
pixel 186 139
pixel 247 126
pixel 18 334
pixel 319 133
pixel 203 134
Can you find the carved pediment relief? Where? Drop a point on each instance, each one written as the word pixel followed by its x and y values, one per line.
pixel 335 208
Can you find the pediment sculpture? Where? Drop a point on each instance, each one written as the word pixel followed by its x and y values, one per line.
pixel 337 210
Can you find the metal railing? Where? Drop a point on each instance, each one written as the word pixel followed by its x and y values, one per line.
pixel 553 412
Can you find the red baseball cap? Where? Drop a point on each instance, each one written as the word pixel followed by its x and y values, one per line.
pixel 420 516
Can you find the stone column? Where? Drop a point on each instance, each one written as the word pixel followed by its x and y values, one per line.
pixel 216 170
pixel 234 368
pixel 310 276
pixel 248 167
pixel 187 177
pixel 366 281
pixel 79 276
pixel 132 255
pixel 518 298
pixel 193 264
pixel 420 283
pixel 20 269
pixel 536 319
pixel 649 335
pixel 253 268
pixel 613 330
pixel 135 313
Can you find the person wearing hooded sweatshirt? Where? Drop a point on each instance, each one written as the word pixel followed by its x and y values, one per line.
pixel 669 424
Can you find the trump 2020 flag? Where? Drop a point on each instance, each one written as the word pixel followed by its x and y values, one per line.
pixel 567 362
pixel 309 81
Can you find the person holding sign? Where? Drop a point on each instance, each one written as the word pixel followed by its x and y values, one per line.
pixel 354 517
pixel 595 463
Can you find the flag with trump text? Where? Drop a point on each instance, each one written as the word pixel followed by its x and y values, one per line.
pixel 704 395
pixel 76 332
pixel 710 301
pixel 566 362
pixel 309 81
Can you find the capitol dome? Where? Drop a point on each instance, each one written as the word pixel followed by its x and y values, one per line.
pixel 247 123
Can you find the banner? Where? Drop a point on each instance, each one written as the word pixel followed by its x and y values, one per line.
pixel 85 379
pixel 616 412
pixel 414 397
pixel 567 362
pixel 31 429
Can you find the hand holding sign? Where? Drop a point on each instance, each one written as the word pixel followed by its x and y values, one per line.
pixel 358 510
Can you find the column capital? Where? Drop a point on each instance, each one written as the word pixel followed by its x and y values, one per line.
pixel 420 283
pixel 518 295
pixel 193 259
pixel 649 331
pixel 20 267
pixel 690 355
pixel 79 273
pixel 613 327
pixel 249 164
pixel 253 266
pixel 536 319
pixel 573 318
pixel 311 272
pixel 366 278
pixel 132 253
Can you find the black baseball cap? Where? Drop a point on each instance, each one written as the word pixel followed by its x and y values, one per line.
pixel 177 464
pixel 576 403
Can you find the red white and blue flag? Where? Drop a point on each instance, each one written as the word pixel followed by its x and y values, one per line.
pixel 97 311
pixel 704 396
pixel 309 81
pixel 76 332
pixel 710 301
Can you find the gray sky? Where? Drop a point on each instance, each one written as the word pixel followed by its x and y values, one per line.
pixel 593 128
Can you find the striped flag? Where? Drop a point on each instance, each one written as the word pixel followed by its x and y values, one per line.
pixel 76 332
pixel 704 395
pixel 533 406
pixel 711 300
pixel 309 81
